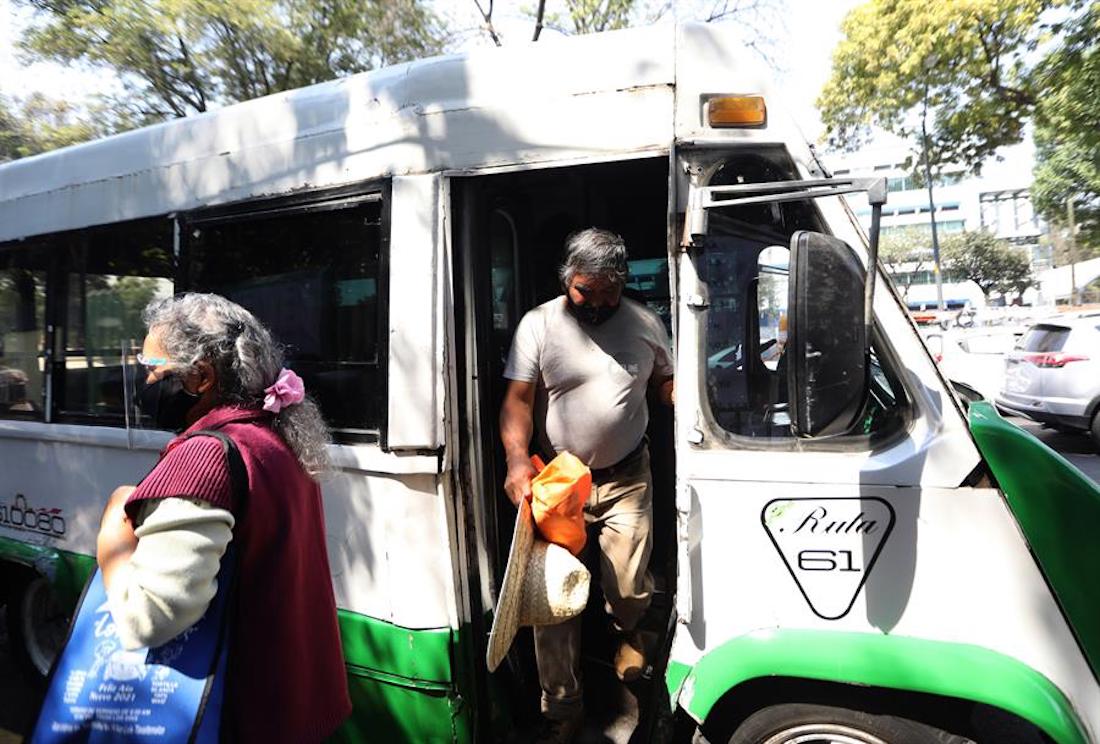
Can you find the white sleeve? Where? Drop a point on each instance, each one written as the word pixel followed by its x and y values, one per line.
pixel 172 575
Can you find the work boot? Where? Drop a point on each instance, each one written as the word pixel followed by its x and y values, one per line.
pixel 630 658
pixel 559 731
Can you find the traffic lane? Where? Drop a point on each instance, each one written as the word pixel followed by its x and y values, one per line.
pixel 21 701
pixel 1076 447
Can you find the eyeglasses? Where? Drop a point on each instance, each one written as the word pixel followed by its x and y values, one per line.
pixel 151 363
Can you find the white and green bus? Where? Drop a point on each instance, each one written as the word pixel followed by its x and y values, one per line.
pixel 846 550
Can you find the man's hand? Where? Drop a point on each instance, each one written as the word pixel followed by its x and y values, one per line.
pixel 116 541
pixel 517 484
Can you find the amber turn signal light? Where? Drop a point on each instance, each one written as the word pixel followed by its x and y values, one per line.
pixel 737 111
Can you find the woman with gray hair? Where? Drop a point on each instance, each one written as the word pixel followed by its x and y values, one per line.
pixel 212 366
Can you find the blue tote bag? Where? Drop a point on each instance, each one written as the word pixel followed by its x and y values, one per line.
pixel 100 692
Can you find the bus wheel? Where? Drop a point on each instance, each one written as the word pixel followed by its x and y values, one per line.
pixel 1094 429
pixel 37 626
pixel 823 724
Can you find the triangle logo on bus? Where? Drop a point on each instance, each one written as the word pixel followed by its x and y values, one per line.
pixel 829 546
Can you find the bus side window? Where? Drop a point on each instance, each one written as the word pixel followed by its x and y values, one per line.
pixel 315 277
pixel 741 387
pixel 22 331
pixel 771 304
pixel 109 275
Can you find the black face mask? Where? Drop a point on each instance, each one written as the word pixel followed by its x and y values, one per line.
pixel 591 315
pixel 168 402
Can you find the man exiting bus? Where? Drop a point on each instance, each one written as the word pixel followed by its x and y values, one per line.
pixel 580 367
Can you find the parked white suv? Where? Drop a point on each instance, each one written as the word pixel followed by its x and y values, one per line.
pixel 1053 374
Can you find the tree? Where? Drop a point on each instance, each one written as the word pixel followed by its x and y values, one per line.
pixel 991 263
pixel 40 124
pixel 1067 131
pixel 178 57
pixel 1068 171
pixel 904 252
pixel 13 135
pixel 964 63
pixel 593 16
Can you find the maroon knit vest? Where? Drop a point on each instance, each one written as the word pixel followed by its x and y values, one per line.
pixel 287 681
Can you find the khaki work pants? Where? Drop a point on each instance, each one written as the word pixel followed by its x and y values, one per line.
pixel 619 516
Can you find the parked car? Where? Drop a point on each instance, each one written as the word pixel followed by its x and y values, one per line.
pixel 974 357
pixel 1053 374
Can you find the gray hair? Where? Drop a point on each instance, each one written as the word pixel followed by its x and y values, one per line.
pixel 594 252
pixel 208 327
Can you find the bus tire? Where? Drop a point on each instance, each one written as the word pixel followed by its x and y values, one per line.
pixel 37 626
pixel 799 722
pixel 1094 429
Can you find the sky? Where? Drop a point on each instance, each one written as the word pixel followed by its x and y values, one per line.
pixel 810 29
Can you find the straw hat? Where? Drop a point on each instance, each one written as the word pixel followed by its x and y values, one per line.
pixel 543 585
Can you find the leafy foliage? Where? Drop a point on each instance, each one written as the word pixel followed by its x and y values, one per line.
pixel 40 124
pixel 904 252
pixel 964 62
pixel 991 263
pixel 178 57
pixel 1067 130
pixel 1069 171
pixel 592 16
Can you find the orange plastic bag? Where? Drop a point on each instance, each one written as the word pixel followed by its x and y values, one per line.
pixel 558 496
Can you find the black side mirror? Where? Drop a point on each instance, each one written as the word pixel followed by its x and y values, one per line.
pixel 826 336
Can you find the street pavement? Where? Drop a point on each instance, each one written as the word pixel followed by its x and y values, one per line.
pixel 20 700
pixel 1077 448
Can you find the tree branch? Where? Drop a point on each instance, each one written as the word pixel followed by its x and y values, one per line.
pixel 229 36
pixel 990 47
pixel 488 21
pixel 659 12
pixel 192 79
pixel 538 19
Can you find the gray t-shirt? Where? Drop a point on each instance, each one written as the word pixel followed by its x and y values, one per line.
pixel 591 380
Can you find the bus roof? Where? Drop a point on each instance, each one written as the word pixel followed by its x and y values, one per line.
pixel 594 98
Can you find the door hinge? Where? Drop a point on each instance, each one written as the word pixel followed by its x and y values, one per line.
pixel 698 302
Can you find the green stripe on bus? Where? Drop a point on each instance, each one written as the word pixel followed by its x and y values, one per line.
pixel 68 572
pixel 674 679
pixel 893 662
pixel 401 680
pixel 422 655
pixel 395 714
pixel 401 683
pixel 1058 510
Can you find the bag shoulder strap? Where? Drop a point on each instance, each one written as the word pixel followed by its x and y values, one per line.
pixel 238 474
